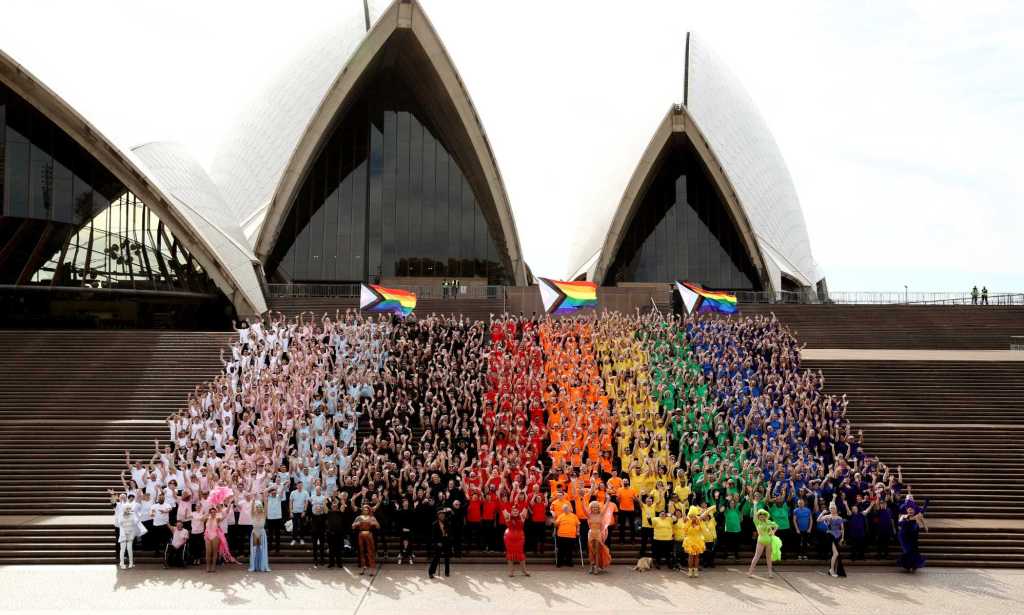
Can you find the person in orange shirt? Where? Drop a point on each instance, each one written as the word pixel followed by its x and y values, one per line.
pixel 559 502
pixel 567 527
pixel 615 482
pixel 627 499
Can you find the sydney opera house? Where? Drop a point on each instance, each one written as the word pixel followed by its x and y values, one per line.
pixel 369 161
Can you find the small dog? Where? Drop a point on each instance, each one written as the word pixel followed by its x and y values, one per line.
pixel 643 564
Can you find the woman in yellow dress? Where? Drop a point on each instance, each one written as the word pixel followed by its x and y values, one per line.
pixel 693 540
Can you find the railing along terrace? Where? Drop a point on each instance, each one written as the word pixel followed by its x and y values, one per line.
pixel 306 290
pixel 350 291
pixel 920 298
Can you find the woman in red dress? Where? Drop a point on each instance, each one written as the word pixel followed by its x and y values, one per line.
pixel 515 541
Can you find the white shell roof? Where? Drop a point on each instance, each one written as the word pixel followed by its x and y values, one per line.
pixel 185 182
pixel 255 150
pixel 563 197
pixel 744 145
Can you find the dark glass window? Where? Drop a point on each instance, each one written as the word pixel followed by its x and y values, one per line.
pixel 396 200
pixel 682 230
pixel 67 221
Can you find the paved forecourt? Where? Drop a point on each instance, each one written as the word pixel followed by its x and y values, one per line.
pixel 476 589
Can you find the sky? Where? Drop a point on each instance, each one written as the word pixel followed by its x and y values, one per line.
pixel 900 121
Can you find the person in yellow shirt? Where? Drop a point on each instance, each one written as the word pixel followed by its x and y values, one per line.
pixel 648 512
pixel 663 527
pixel 678 535
pixel 693 540
pixel 710 535
pixel 567 527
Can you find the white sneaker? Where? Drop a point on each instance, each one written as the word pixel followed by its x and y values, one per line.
pixel 293 543
pixel 833 575
pixel 131 565
pixel 302 542
pixel 123 566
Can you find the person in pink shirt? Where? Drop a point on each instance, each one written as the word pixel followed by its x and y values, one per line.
pixel 175 554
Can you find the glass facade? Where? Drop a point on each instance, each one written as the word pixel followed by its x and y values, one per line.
pixel 125 246
pixel 66 221
pixel 682 230
pixel 386 198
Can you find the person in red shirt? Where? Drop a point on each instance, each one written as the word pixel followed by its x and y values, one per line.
pixel 538 516
pixel 474 511
pixel 489 513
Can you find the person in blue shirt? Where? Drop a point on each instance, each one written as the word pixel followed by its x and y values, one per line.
pixel 856 532
pixel 802 527
pixel 275 519
pixel 297 502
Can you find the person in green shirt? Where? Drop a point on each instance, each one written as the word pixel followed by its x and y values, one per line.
pixel 733 519
pixel 780 513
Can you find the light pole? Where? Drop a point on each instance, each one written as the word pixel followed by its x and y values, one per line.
pixel 906 294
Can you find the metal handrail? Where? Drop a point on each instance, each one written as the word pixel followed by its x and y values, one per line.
pixel 349 291
pixel 992 299
pixel 436 291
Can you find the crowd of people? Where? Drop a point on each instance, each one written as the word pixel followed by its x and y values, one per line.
pixel 373 435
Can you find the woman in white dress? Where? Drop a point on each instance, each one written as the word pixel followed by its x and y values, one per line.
pixel 128 526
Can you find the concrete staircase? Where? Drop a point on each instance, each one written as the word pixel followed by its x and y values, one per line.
pixel 71 402
pixel 957 428
pixel 958 327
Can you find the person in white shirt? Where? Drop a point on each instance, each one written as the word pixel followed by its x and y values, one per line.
pixel 161 530
pixel 144 513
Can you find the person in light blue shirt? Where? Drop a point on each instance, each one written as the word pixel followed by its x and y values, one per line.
pixel 297 502
pixel 275 518
pixel 802 527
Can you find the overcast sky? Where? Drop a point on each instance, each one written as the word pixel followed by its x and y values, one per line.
pixel 901 122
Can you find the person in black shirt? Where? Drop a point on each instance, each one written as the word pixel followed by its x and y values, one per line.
pixel 336 531
pixel 440 544
pixel 458 524
pixel 405 521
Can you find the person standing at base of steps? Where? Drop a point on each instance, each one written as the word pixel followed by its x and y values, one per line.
pixel 910 523
pixel 196 542
pixel 128 530
pixel 766 542
pixel 661 532
pixel 835 530
pixel 802 527
pixel 318 525
pixel 365 524
pixel 297 501
pixel 275 519
pixel 567 525
pixel 259 556
pixel 161 532
pixel 336 532
pixel 440 544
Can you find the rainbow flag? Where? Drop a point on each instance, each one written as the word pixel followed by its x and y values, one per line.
pixel 696 297
pixel 373 298
pixel 566 297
